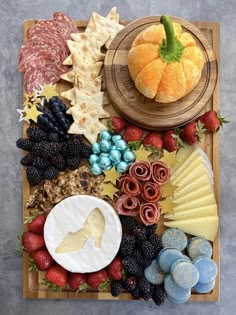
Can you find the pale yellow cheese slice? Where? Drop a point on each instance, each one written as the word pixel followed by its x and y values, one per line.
pixel 205 227
pixel 200 202
pixel 193 213
pixel 182 154
pixel 202 191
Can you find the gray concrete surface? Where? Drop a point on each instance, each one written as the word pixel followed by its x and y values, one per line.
pixel 12 14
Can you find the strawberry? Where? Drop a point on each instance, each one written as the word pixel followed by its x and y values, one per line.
pixel 171 140
pixel 212 120
pixel 36 222
pixel 133 133
pixel 192 132
pixel 116 124
pixel 32 242
pixel 115 269
pixel 56 277
pixel 98 280
pixel 42 260
pixel 77 282
pixel 153 141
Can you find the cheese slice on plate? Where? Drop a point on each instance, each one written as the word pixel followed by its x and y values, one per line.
pixel 193 213
pixel 200 202
pixel 205 227
pixel 202 191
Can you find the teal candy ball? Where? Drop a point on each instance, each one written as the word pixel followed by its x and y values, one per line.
pixel 96 169
pixel 93 158
pixel 121 145
pixel 95 148
pixel 104 162
pixel 129 156
pixel 105 146
pixel 115 138
pixel 115 155
pixel 103 154
pixel 122 167
pixel 105 135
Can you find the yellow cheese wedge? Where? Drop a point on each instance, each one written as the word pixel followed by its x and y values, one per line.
pixel 200 202
pixel 182 154
pixel 193 213
pixel 205 227
pixel 202 191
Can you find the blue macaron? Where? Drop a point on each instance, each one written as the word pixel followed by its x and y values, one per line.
pixel 198 246
pixel 153 273
pixel 185 274
pixel 167 257
pixel 204 287
pixel 178 301
pixel 174 238
pixel 184 258
pixel 175 291
pixel 207 269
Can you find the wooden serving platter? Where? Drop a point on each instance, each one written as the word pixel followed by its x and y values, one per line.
pixel 33 281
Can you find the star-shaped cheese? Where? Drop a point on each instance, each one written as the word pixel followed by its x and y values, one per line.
pixel 30 99
pixel 49 91
pixel 111 176
pixel 169 158
pixel 32 113
pixel 167 206
pixel 168 189
pixel 142 154
pixel 108 190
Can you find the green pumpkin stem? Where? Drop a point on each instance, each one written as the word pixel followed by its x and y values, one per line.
pixel 171 49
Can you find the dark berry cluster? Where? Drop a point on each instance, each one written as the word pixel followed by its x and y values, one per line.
pixel 48 155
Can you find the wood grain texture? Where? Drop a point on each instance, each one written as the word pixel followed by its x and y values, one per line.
pixel 145 112
pixel 33 281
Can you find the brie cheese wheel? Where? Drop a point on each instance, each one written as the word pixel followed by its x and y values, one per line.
pixel 83 233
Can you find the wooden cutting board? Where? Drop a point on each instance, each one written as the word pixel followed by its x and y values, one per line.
pixel 145 112
pixel 33 281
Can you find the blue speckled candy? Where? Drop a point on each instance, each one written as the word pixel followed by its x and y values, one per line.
pixel 174 238
pixel 175 291
pixel 153 273
pixel 198 246
pixel 115 138
pixel 167 257
pixel 121 145
pixel 115 155
pixel 129 156
pixel 207 268
pixel 95 148
pixel 178 301
pixel 184 258
pixel 105 146
pixel 185 274
pixel 96 169
pixel 104 162
pixel 105 135
pixel 204 287
pixel 93 158
pixel 122 167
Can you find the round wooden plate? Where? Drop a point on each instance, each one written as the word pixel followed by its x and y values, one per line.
pixel 138 109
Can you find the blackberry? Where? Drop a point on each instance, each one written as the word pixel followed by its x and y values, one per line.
pixel 59 162
pixel 151 229
pixel 73 162
pixel 40 163
pixel 85 150
pixel 144 287
pixel 159 295
pixel 73 148
pixel 128 222
pixel 49 149
pixel 53 137
pixel 132 266
pixel 50 173
pixel 140 258
pixel 148 249
pixel 38 148
pixel 130 284
pixel 116 288
pixel 140 232
pixel 27 160
pixel 36 135
pixel 24 144
pixel 126 245
pixel 34 175
pixel 155 240
pixel 136 293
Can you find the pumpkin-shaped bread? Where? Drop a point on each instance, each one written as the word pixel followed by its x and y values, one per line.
pixel 165 62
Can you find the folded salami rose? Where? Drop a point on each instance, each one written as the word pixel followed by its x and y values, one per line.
pixel 149 213
pixel 127 205
pixel 140 170
pixel 160 172
pixel 129 185
pixel 151 192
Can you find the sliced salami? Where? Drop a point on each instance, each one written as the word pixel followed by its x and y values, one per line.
pixel 140 170
pixel 65 24
pixel 151 192
pixel 129 185
pixel 127 205
pixel 149 213
pixel 160 172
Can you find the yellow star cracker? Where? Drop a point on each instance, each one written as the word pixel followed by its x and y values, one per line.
pixel 108 190
pixel 167 206
pixel 169 158
pixel 111 176
pixel 30 99
pixel 168 190
pixel 142 154
pixel 32 113
pixel 49 91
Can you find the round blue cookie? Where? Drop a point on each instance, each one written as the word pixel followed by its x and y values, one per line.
pixel 178 301
pixel 153 273
pixel 174 238
pixel 175 291
pixel 185 274
pixel 207 269
pixel 198 246
pixel 204 287
pixel 167 257
pixel 184 258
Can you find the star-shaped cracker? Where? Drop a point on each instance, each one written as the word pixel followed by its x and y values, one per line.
pixel 111 176
pixel 169 158
pixel 30 99
pixel 22 115
pixel 32 113
pixel 142 154
pixel 167 206
pixel 108 190
pixel 168 189
pixel 49 91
